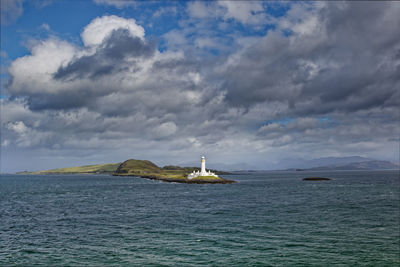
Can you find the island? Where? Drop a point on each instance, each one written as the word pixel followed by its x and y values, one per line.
pixel 149 170
pixel 143 169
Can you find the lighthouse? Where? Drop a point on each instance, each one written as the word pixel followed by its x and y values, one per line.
pixel 203 166
pixel 202 171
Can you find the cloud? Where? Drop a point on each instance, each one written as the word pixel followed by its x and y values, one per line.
pixel 164 11
pixel 117 3
pixel 243 11
pixel 11 10
pixel 59 75
pixel 165 129
pixel 175 40
pixel 317 69
pixel 45 27
pixel 32 74
pixel 117 48
pixel 100 28
pixel 122 83
pixel 199 9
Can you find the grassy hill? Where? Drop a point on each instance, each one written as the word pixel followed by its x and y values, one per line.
pixel 99 168
pixel 145 168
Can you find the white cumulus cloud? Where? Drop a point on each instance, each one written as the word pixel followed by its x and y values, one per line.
pixel 100 28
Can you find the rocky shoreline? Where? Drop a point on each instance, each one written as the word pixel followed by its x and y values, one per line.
pixel 183 180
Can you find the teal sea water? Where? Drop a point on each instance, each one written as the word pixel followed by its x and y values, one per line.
pixel 267 219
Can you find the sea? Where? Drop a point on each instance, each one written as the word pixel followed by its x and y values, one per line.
pixel 266 219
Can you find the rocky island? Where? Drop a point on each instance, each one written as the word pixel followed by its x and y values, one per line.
pixel 147 169
pixel 142 169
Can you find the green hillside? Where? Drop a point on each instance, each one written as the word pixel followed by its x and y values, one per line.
pixel 99 168
pixel 145 168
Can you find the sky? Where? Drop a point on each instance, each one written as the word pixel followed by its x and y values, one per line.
pixel 250 85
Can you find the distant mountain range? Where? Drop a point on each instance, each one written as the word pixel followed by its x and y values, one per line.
pixel 325 163
pixel 318 162
pixel 358 165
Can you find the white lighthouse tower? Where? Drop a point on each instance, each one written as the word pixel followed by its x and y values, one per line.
pixel 203 166
pixel 202 172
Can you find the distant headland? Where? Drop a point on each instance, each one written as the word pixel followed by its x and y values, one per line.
pixel 146 169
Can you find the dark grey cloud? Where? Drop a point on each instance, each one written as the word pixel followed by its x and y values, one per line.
pixel 120 44
pixel 64 100
pixel 351 52
pixel 109 57
pixel 86 66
